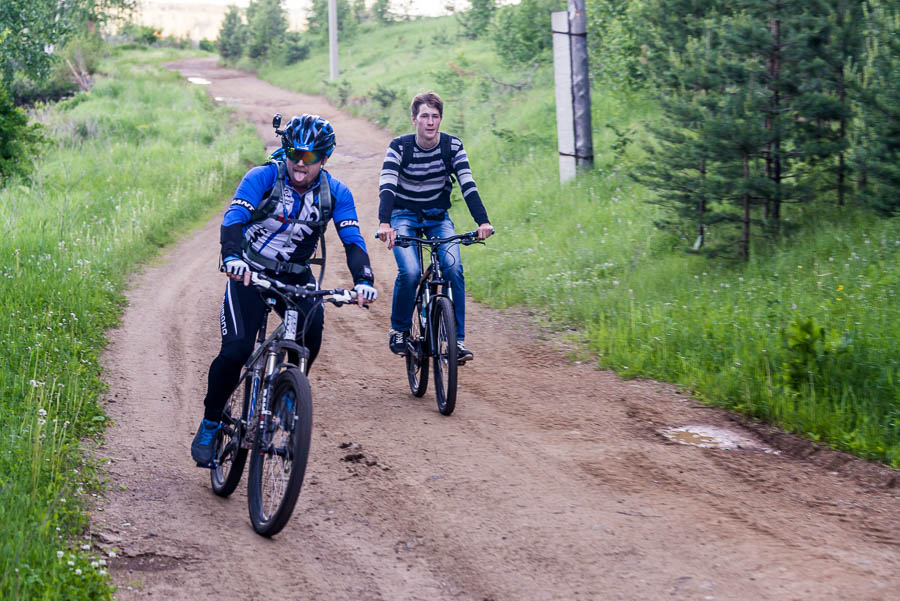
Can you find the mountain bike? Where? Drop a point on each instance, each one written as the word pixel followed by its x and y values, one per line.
pixel 433 332
pixel 270 412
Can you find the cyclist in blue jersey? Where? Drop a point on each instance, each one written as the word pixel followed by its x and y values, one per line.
pixel 414 193
pixel 274 224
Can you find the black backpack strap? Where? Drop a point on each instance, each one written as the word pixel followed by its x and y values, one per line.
pixel 447 156
pixel 326 204
pixel 262 211
pixel 326 201
pixel 406 150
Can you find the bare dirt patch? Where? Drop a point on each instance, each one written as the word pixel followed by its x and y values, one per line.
pixel 550 481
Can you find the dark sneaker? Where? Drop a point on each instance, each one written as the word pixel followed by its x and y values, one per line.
pixel 462 353
pixel 397 342
pixel 204 444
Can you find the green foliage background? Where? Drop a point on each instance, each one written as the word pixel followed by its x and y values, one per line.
pixel 588 258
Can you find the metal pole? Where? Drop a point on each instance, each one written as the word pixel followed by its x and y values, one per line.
pixel 333 37
pixel 581 86
pixel 573 91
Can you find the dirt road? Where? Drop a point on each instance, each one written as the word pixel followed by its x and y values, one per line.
pixel 552 480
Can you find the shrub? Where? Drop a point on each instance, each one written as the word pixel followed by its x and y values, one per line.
pixel 18 140
pixel 476 21
pixel 142 34
pixel 521 33
pixel 294 48
pixel 232 35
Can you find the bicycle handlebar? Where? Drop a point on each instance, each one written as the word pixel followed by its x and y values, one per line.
pixel 464 239
pixel 335 296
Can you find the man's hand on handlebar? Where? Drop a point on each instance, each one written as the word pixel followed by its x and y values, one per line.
pixel 484 231
pixel 387 234
pixel 237 269
pixel 365 294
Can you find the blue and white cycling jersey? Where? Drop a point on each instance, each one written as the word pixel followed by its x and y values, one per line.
pixel 276 237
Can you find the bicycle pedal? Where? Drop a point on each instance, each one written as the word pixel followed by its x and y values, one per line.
pixel 210 466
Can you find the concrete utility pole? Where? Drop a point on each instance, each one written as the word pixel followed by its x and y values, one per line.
pixel 332 37
pixel 573 91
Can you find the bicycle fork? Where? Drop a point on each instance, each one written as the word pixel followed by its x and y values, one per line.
pixel 272 355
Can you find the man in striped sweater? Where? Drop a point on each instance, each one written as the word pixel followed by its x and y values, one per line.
pixel 414 193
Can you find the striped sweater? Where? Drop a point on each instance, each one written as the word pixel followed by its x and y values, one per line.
pixel 425 183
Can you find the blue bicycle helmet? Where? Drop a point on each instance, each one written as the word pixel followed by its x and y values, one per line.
pixel 309 132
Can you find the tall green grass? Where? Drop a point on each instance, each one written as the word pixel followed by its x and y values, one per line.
pixel 804 336
pixel 130 165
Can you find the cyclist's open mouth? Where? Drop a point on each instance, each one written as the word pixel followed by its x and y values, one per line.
pixel 299 175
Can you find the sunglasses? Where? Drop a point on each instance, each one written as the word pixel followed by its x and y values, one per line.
pixel 307 157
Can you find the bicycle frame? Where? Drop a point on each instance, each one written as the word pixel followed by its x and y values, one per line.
pixel 430 287
pixel 263 372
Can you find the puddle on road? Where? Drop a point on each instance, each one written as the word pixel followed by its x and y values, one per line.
pixel 199 81
pixel 713 437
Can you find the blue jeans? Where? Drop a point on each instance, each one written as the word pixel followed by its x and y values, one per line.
pixel 435 224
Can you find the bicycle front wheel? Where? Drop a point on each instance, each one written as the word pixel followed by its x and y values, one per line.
pixel 416 354
pixel 444 323
pixel 279 458
pixel 229 455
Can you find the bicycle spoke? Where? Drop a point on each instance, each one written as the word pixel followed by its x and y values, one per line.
pixel 278 464
pixel 230 457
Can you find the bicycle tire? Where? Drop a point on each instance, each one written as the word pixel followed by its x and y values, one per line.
pixel 276 472
pixel 229 453
pixel 445 358
pixel 416 355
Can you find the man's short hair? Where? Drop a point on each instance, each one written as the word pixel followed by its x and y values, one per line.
pixel 429 98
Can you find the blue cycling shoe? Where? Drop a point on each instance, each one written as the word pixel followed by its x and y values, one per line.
pixel 204 445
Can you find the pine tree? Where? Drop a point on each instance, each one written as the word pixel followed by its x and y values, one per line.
pixel 765 39
pixel 825 110
pixel 666 29
pixel 232 35
pixel 266 27
pixel 731 98
pixel 877 155
pixel 679 163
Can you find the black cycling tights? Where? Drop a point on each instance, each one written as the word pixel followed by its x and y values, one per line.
pixel 242 313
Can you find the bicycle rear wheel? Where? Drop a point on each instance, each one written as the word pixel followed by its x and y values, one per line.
pixel 279 458
pixel 229 455
pixel 416 355
pixel 444 323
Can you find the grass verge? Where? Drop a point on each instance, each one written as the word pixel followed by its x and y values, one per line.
pixel 132 163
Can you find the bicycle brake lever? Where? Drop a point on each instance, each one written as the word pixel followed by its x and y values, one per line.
pixel 258 281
